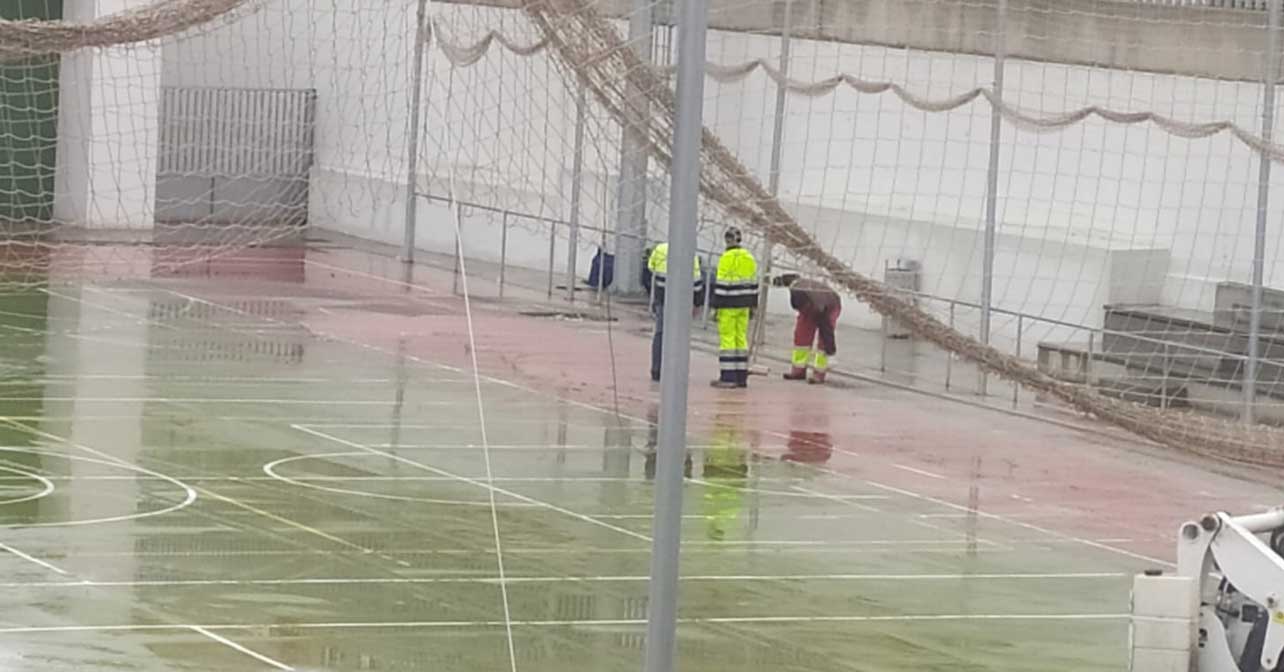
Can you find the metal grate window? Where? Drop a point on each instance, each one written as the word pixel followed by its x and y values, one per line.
pixel 236 132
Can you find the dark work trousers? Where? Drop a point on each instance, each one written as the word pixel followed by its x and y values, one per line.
pixel 657 311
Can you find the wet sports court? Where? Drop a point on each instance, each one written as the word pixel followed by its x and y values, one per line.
pixel 303 462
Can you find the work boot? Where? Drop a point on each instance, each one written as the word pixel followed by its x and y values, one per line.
pixel 726 380
pixel 655 376
pixel 742 378
pixel 817 378
pixel 796 374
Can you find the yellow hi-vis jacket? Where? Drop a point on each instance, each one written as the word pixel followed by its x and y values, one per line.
pixel 736 285
pixel 658 264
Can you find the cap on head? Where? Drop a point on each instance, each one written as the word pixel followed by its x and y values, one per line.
pixel 732 236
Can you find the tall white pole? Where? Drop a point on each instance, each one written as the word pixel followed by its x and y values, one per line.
pixel 773 177
pixel 577 177
pixel 412 153
pixel 684 195
pixel 1269 76
pixel 630 220
pixel 992 182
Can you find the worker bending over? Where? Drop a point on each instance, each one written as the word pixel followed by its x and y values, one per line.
pixel 658 265
pixel 818 307
pixel 735 294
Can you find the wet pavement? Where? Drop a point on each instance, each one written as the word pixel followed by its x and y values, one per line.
pixel 258 467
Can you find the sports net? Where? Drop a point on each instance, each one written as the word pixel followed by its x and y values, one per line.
pixel 133 142
pixel 1125 166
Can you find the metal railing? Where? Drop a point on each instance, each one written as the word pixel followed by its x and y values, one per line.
pixel 1168 356
pixel 507 219
pixel 1216 4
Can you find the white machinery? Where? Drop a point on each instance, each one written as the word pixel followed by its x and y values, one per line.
pixel 1223 610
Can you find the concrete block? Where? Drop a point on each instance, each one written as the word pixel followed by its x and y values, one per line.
pixel 1172 597
pixel 1163 633
pixel 1159 660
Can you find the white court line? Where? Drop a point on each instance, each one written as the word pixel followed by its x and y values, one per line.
pixel 836 498
pixel 388 625
pixel 472 481
pixel 214 380
pixel 864 515
pixel 920 472
pixel 705 578
pixel 1021 516
pixel 433 425
pixel 800 492
pixel 233 645
pixel 647 423
pixel 81 300
pixel 191 495
pixel 233 400
pixel 396 283
pixel 300 526
pixel 30 558
pixel 854 548
pixel 1019 523
pixel 958 507
pixel 497 479
pixel 342 479
pixel 204 417
pixel 107 459
pixel 819 542
pixel 647 517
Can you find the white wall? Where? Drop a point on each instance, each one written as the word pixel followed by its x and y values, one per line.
pixel 872 177
pixel 108 105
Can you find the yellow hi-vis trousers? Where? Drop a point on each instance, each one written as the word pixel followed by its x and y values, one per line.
pixel 801 355
pixel 733 344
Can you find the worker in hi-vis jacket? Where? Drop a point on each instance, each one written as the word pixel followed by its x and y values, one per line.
pixel 735 295
pixel 658 266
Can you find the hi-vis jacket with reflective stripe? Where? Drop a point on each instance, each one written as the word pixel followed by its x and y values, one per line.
pixel 658 264
pixel 737 282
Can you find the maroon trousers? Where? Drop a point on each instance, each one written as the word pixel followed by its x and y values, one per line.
pixel 805 329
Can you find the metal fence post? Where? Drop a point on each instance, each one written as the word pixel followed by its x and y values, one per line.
pixel 412 158
pixel 503 251
pixel 882 348
pixel 710 273
pixel 949 356
pixel 454 279
pixel 577 175
pixel 630 221
pixel 552 254
pixel 992 180
pixel 1163 383
pixel 1269 76
pixel 666 526
pixel 773 182
pixel 1087 364
pixel 1016 387
pixel 601 269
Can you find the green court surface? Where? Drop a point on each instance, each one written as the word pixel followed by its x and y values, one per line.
pixel 190 487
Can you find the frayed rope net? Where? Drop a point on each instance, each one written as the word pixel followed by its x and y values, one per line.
pixel 588 49
pixel 37 37
pixel 464 55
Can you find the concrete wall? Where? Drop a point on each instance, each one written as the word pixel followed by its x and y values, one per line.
pixel 108 111
pixel 1120 34
pixel 1088 213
